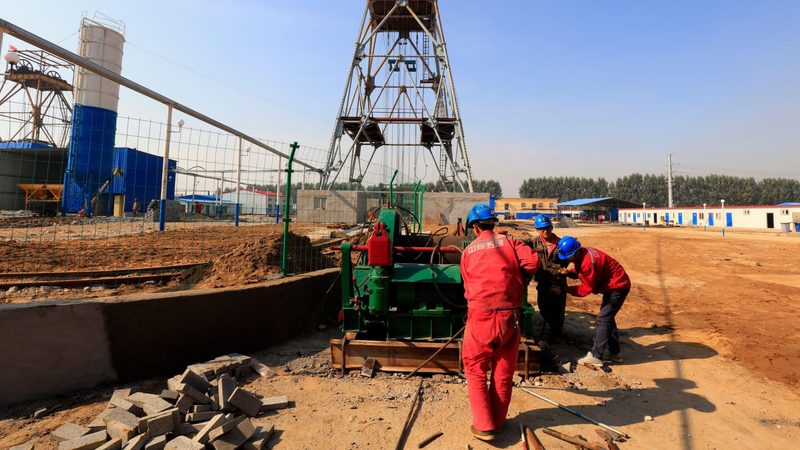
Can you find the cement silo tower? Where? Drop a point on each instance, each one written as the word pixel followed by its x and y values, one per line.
pixel 399 105
pixel 90 158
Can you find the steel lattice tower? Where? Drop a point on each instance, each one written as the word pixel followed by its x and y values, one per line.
pixel 400 99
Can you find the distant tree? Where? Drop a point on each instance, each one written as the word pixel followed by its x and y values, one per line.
pixel 490 186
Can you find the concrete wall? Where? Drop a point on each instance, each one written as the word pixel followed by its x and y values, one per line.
pixel 49 348
pixel 754 217
pixel 18 167
pixel 341 207
pixel 444 208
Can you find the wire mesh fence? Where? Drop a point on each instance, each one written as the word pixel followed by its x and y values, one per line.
pixel 92 200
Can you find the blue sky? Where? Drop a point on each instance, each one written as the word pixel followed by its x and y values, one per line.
pixel 547 88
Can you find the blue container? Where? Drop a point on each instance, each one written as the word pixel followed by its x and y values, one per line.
pixel 140 177
pixel 90 160
pixel 524 215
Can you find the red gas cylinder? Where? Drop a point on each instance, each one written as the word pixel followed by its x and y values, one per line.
pixel 379 247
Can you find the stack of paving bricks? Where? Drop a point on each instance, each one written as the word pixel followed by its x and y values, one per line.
pixel 201 408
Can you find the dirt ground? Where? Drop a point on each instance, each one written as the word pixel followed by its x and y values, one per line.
pixel 236 256
pixel 710 337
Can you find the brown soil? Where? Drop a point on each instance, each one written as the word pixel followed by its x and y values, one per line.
pixel 238 256
pixel 710 338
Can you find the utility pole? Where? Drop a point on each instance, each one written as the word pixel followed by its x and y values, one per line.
pixel 669 180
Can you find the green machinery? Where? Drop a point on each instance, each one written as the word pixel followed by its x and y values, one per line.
pixel 406 286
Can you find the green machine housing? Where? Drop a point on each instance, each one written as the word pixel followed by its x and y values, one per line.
pixel 418 296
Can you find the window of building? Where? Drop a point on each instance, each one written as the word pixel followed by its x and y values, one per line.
pixel 320 202
pixel 523 205
pixel 746 212
pixel 702 216
pixel 505 206
pixel 541 205
pixel 784 212
pixel 717 215
pixel 552 205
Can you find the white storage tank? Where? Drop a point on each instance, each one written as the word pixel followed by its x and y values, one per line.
pixel 102 45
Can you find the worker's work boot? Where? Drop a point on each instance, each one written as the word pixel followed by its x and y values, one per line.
pixel 482 435
pixel 590 360
pixel 613 357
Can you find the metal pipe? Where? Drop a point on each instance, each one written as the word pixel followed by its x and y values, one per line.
pixel 576 413
pixel 24 35
pixel 162 205
pixel 406 249
pixel 416 204
pixel 284 250
pixel 391 189
pixel 421 209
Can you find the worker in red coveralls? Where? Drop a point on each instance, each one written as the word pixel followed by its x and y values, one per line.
pixel 491 267
pixel 599 274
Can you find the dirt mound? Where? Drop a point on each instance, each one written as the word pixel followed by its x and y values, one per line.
pixel 259 260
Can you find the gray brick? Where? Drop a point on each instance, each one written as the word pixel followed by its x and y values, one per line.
pixel 118 395
pixel 172 383
pixel 151 404
pixel 273 403
pixel 225 388
pixel 121 416
pixel 184 403
pixel 261 369
pixel 260 438
pixel 245 401
pixel 161 423
pixel 202 435
pixel 157 443
pixel 202 408
pixel 196 395
pixel 137 443
pixel 194 380
pixel 86 442
pixel 68 431
pixel 169 395
pixel 121 431
pixel 243 431
pixel 201 416
pixel 183 443
pixel 113 444
pixel 25 446
pixel 225 427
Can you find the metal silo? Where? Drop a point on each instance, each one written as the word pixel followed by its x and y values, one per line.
pixel 90 161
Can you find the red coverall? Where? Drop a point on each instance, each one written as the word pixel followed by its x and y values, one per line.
pixel 602 274
pixel 491 269
pixel 598 272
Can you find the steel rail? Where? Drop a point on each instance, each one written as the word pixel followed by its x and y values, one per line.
pixel 27 36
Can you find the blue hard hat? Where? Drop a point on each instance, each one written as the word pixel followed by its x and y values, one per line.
pixel 480 213
pixel 542 221
pixel 567 247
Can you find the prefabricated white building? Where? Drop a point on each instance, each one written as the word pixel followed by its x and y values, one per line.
pixel 784 217
pixel 254 201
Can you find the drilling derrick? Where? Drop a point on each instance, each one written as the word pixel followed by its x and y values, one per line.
pixel 399 105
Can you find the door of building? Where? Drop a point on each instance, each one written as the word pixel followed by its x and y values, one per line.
pixel 770 220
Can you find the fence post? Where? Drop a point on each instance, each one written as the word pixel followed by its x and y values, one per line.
pixel 162 205
pixel 421 210
pixel 238 184
pixel 287 210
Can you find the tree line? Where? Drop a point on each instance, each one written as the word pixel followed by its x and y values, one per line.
pixel 652 189
pixel 490 186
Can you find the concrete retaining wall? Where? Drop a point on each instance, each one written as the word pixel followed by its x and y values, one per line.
pixel 52 347
pixel 444 208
